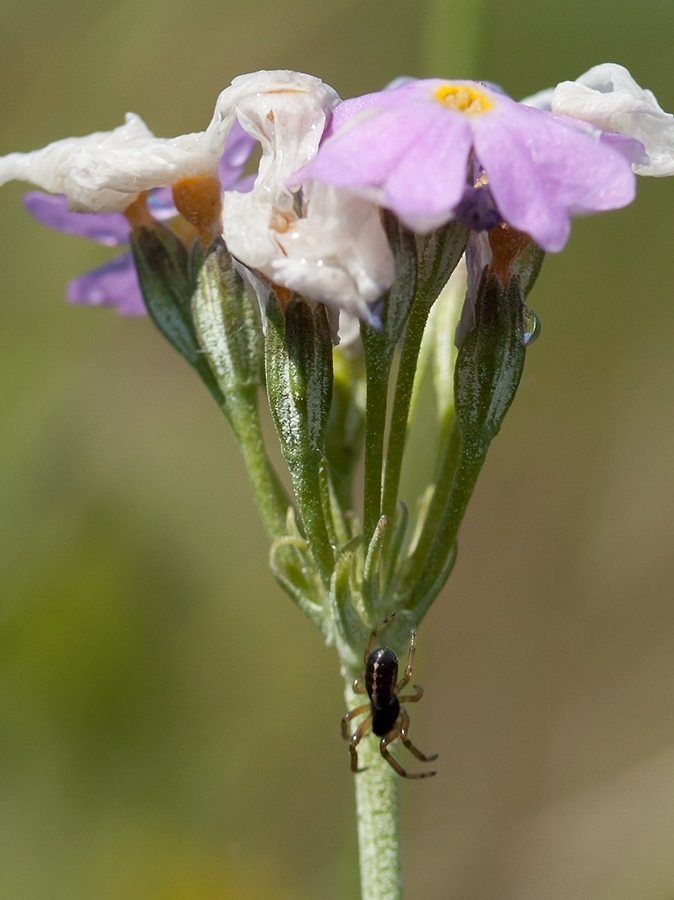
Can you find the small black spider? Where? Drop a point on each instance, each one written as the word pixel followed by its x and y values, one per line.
pixel 386 717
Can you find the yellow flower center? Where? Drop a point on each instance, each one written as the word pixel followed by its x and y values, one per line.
pixel 463 98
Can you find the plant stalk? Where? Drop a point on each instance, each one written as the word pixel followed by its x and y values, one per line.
pixel 272 500
pixel 378 817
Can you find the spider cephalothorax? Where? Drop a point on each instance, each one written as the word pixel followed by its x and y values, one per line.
pixel 386 718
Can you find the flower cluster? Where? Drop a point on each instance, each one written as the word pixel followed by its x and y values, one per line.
pixel 424 211
pixel 430 151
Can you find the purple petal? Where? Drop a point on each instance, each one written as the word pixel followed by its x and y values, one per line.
pixel 408 158
pixel 238 147
pixel 161 205
pixel 425 187
pixel 245 185
pixel 408 92
pixel 347 109
pixel 633 150
pixel 115 283
pixel 541 171
pixel 476 209
pixel 110 229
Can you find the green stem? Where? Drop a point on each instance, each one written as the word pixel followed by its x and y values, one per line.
pixel 270 496
pixel 468 469
pixel 442 537
pixel 378 818
pixel 375 426
pixel 307 485
pixel 441 495
pixel 401 405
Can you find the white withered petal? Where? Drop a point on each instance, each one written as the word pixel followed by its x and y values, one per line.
pixel 609 98
pixel 317 241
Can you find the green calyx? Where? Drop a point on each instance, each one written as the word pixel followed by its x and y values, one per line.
pixel 489 363
pixel 298 363
pixel 333 405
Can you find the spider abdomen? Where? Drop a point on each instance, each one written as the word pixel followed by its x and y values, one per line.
pixel 385 717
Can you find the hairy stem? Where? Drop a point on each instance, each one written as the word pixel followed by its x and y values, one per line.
pixel 271 498
pixel 401 406
pixel 306 482
pixel 378 817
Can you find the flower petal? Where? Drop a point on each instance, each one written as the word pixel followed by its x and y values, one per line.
pixel 540 100
pixel 321 243
pixel 115 283
pixel 51 210
pixel 160 203
pixel 72 166
pixel 541 171
pixel 238 147
pixel 408 159
pixel 608 97
pixel 338 254
pixel 107 170
pixel 286 112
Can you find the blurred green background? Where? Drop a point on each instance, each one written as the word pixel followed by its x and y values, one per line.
pixel 168 720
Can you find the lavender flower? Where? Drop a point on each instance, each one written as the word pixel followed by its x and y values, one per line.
pixel 428 150
pixel 115 283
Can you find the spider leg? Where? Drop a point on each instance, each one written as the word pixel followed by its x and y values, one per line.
pixel 358 687
pixel 404 729
pixel 395 732
pixel 383 749
pixel 357 737
pixel 375 631
pixel 410 660
pixel 413 698
pixel 351 715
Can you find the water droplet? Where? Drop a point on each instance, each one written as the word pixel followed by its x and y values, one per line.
pixel 531 326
